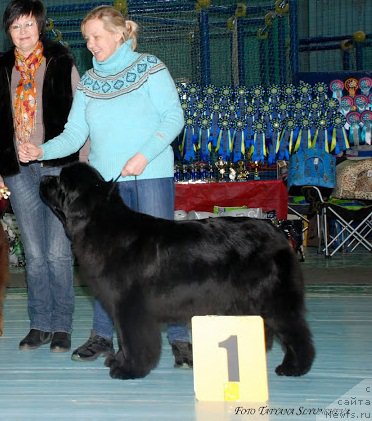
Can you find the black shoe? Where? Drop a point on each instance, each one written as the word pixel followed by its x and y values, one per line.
pixel 92 349
pixel 34 339
pixel 182 352
pixel 61 342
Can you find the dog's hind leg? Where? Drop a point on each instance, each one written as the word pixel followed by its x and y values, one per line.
pixel 139 340
pixel 287 317
pixel 295 338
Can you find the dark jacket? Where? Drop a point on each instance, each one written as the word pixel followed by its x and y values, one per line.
pixel 57 100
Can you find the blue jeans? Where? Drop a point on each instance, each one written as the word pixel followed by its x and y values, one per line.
pixel 49 271
pixel 153 197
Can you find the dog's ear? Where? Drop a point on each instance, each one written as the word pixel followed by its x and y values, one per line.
pixel 82 179
pixel 84 188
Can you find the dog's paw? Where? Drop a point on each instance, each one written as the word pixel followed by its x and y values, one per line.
pixel 290 370
pixel 124 369
pixel 108 359
pixel 117 370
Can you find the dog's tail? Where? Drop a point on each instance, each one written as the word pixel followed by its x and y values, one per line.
pixel 289 271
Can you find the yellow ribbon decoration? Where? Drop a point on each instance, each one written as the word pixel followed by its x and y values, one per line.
pixel 181 147
pixel 218 141
pixel 230 140
pixel 309 138
pixel 315 138
pixel 290 142
pixel 242 144
pixel 298 141
pixel 334 139
pixel 278 141
pixel 346 139
pixel 326 141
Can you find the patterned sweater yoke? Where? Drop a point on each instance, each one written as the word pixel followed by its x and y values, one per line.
pixel 128 80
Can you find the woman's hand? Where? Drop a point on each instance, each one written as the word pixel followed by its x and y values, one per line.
pixel 134 165
pixel 28 152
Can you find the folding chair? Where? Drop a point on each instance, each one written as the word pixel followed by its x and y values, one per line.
pixel 301 211
pixel 297 213
pixel 355 224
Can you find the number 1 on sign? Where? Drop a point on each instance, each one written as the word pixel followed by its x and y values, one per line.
pixel 231 345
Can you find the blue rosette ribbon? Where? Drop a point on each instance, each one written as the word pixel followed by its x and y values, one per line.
pixel 257 93
pixel 266 111
pixel 241 97
pixel 304 91
pixel 226 93
pixel 224 144
pixel 366 119
pixel 276 133
pixel 239 134
pixel 188 146
pixel 340 141
pixel 287 138
pixel 200 108
pixel 274 93
pixel 259 141
pixel 192 92
pixel 315 109
pixel 250 115
pixel 210 93
pixel 320 91
pixel 305 133
pixel 353 120
pixel 204 124
pixel 216 112
pixel 321 133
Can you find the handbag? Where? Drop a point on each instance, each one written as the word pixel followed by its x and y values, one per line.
pixel 312 166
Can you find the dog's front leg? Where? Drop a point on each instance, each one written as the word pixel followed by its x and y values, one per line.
pixel 139 340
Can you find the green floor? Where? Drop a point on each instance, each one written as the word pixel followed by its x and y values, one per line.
pixel 40 385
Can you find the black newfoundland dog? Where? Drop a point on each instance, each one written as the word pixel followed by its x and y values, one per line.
pixel 147 270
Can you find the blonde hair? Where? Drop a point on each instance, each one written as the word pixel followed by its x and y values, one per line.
pixel 113 21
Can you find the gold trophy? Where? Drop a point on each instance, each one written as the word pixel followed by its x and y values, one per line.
pixel 221 167
pixel 242 172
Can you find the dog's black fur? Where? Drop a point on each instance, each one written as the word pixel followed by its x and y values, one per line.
pixel 147 270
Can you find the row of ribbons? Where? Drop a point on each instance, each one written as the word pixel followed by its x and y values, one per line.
pixel 266 123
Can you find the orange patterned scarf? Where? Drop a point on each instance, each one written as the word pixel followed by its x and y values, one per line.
pixel 25 95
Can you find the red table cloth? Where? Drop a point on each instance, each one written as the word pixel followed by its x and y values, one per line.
pixel 265 194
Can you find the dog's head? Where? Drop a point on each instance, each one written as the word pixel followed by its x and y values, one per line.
pixel 75 193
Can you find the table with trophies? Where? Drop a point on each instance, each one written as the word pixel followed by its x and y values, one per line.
pixel 230 186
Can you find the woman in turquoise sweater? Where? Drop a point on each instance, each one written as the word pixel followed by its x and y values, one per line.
pixel 128 106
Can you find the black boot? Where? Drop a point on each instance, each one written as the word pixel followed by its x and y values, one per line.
pixel 61 342
pixel 34 339
pixel 182 352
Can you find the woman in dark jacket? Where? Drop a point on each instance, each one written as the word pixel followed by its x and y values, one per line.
pixel 37 81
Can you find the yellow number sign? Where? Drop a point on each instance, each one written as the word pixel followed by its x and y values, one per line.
pixel 229 358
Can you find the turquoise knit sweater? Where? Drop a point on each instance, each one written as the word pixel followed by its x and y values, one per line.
pixel 126 104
